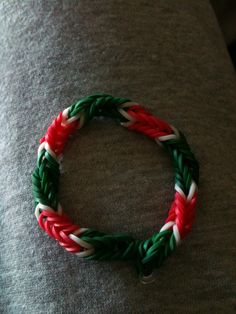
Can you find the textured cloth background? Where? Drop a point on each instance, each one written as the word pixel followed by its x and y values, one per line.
pixel 166 54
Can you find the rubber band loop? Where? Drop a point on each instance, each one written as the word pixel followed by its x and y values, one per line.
pixel 91 244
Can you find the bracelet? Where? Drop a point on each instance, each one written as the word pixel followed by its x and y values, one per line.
pixel 89 243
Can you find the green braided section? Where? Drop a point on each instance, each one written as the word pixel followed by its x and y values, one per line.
pixel 45 180
pixel 148 254
pixel 185 164
pixel 99 105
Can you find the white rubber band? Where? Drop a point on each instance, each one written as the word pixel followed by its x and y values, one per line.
pixel 48 208
pixel 167 226
pixel 66 120
pixel 42 207
pixel 129 104
pixel 170 136
pixel 65 114
pixel 85 253
pixel 79 231
pixel 126 115
pixel 192 190
pixel 47 147
pixel 176 234
pixel 176 131
pixel 180 191
pixel 81 121
pixel 80 242
pixel 167 137
pixel 72 119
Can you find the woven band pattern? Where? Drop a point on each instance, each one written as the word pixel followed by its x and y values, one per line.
pixel 95 245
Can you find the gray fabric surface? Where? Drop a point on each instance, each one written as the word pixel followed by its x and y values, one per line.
pixel 169 55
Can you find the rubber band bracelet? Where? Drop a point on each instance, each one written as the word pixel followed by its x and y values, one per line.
pixel 91 244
